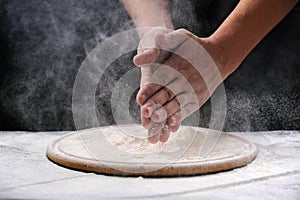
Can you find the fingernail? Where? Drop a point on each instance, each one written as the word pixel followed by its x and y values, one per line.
pixel 141 99
pixel 147 112
pixel 172 121
pixel 164 136
pixel 153 137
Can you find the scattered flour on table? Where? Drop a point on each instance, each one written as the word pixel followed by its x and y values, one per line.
pixel 116 144
pixel 178 142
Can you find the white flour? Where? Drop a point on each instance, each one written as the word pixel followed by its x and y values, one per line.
pixel 178 142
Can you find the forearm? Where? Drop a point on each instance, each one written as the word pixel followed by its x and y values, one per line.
pixel 149 13
pixel 244 28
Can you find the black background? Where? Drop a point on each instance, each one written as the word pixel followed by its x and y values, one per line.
pixel 42 44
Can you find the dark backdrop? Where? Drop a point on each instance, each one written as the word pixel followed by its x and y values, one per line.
pixel 43 43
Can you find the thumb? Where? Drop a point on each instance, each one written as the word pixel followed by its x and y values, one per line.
pixel 146 56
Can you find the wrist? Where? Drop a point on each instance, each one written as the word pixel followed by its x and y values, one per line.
pixel 143 30
pixel 220 53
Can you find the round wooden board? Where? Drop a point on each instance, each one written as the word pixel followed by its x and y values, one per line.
pixel 123 150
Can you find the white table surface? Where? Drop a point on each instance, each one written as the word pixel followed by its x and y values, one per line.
pixel 26 173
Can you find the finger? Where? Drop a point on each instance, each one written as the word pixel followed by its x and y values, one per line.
pixel 146 122
pixel 148 108
pixel 163 57
pixel 151 56
pixel 167 110
pixel 174 119
pixel 174 128
pixel 161 97
pixel 147 91
pixel 159 54
pixel 154 138
pixel 155 77
pixel 159 115
pixel 146 56
pixel 155 131
pixel 186 101
pixel 156 127
pixel 184 33
pixel 165 133
pixel 170 40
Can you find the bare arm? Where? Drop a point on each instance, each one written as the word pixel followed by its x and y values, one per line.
pixel 243 29
pixel 149 13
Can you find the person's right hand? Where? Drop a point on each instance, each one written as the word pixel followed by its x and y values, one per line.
pixel 178 76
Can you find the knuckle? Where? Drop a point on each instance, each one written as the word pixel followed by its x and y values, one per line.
pixel 182 30
pixel 152 101
pixel 177 102
pixel 168 93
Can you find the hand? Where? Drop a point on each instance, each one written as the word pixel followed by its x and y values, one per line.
pixel 178 77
